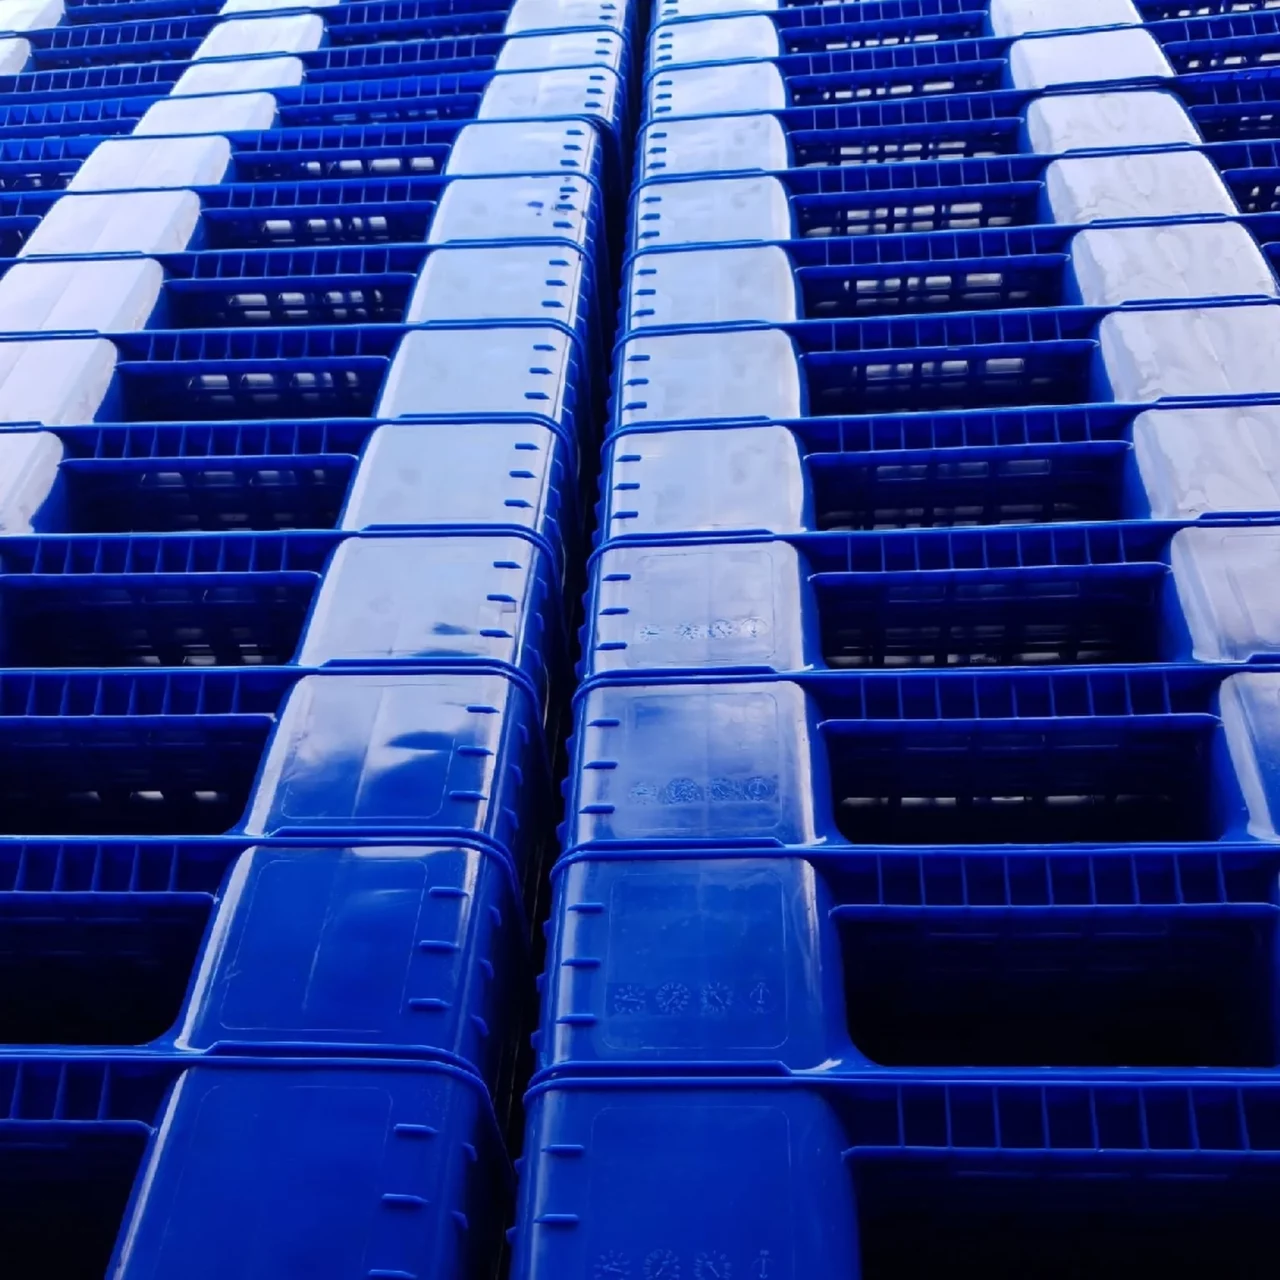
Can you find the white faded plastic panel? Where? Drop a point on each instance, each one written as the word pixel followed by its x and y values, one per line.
pixel 1249 706
pixel 1114 265
pixel 600 48
pixel 726 480
pixel 1221 460
pixel 238 77
pixel 711 286
pixel 110 295
pixel 438 372
pixel 14 53
pixel 1150 185
pixel 122 222
pixel 30 15
pixel 1192 351
pixel 499 282
pixel 54 381
pixel 496 147
pixel 266 6
pixel 1226 584
pixel 513 209
pixel 564 15
pixel 132 164
pixel 731 144
pixel 714 211
pixel 726 89
pixel 433 474
pixel 670 10
pixel 680 44
pixel 1091 57
pixel 248 37
pixel 1023 17
pixel 717 376
pixel 539 95
pixel 221 113
pixel 1108 121
pixel 29 462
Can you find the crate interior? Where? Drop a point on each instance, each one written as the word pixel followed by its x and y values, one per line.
pixel 1070 988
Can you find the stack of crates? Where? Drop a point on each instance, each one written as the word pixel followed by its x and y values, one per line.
pixel 302 346
pixel 916 912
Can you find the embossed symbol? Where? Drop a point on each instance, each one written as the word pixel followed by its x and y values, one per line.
pixel 760 788
pixel 721 629
pixel 643 793
pixel 760 998
pixel 672 997
pixel 762 1265
pixel 662 1264
pixel 716 998
pixel 712 1265
pixel 612 1265
pixel 629 998
pixel 724 789
pixel 681 791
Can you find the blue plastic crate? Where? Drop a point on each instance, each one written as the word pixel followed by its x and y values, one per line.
pixel 1092 958
pixel 721 78
pixel 435 210
pixel 135 1169
pixel 350 474
pixel 273 599
pixel 962 360
pixel 219 947
pixel 949 470
pixel 376 284
pixel 1071 595
pixel 433 45
pixel 1206 109
pixel 400 284
pixel 933 272
pixel 788 33
pixel 932 18
pixel 389 372
pixel 353 153
pixel 898 1176
pixel 451 754
pixel 1119 755
pixel 948 195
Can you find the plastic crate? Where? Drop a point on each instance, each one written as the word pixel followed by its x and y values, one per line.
pixel 1068 596
pixel 218 947
pixel 1093 959
pixel 1120 755
pixel 387 372
pixel 351 474
pixel 353 152
pixel 407 284
pixel 925 15
pixel 788 33
pixel 885 1176
pixel 702 69
pixel 1207 109
pixel 446 754
pixel 990 268
pixel 952 195
pixel 380 211
pixel 952 470
pixel 86 164
pixel 274 599
pixel 133 1168
pixel 964 360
